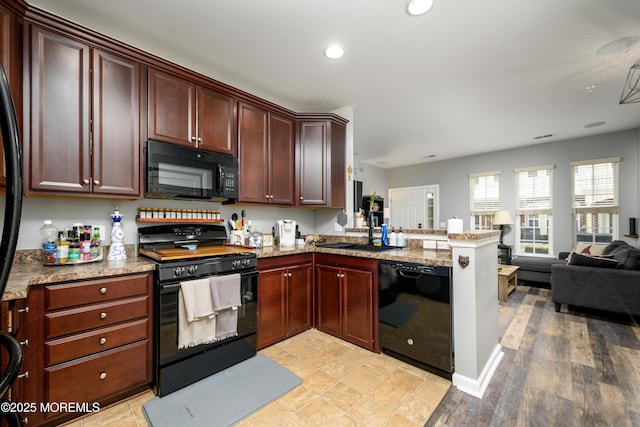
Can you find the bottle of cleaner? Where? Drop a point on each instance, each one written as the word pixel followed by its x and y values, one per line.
pixel 400 238
pixel 393 237
pixel 49 234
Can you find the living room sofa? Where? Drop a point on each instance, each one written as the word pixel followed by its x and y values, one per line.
pixel 610 282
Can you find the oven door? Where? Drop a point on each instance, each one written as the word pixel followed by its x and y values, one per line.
pixel 167 320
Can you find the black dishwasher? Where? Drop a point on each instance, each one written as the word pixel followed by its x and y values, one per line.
pixel 415 315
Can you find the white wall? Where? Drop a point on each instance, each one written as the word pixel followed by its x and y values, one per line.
pixel 65 211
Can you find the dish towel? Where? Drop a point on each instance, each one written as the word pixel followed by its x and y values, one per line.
pixel 225 293
pixel 196 315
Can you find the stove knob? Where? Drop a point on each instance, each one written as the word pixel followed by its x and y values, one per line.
pixel 246 262
pixel 179 271
pixel 191 270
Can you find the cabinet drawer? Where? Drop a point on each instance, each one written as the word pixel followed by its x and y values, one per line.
pixel 95 377
pixel 84 344
pixel 94 316
pixel 89 292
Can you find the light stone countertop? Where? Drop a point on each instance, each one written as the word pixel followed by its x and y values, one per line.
pixel 31 272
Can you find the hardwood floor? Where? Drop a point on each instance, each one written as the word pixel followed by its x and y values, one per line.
pixel 573 368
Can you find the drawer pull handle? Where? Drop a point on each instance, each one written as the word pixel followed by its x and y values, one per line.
pixel 103 291
pixel 25 375
pixel 103 315
pixel 103 375
pixel 103 340
pixel 410 341
pixel 23 310
pixel 25 342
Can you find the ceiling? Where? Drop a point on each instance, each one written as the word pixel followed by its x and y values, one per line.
pixel 468 77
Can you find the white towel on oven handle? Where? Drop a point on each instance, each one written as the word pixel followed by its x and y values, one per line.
pixel 225 291
pixel 198 303
pixel 196 317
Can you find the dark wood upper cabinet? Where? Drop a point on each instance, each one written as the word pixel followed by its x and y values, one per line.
pixel 182 112
pixel 116 125
pixel 266 156
pixel 320 161
pixel 71 148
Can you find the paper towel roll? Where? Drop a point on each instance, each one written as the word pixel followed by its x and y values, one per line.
pixel 454 225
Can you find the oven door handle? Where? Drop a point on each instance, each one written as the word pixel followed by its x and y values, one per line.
pixel 165 289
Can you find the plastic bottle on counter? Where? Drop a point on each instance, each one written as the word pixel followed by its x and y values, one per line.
pixel 49 234
pixel 400 238
pixel 393 241
pixel 385 237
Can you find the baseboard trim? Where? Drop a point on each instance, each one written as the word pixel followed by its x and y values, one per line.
pixel 477 387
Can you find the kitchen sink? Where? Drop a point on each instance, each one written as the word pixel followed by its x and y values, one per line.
pixel 356 246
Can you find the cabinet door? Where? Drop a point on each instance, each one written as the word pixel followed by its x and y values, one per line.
pixel 272 319
pixel 116 125
pixel 281 160
pixel 328 300
pixel 312 165
pixel 299 299
pixel 337 187
pixel 357 311
pixel 171 109
pixel 57 154
pixel 253 155
pixel 216 122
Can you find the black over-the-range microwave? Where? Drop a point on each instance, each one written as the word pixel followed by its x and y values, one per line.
pixel 176 172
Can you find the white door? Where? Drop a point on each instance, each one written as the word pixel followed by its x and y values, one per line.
pixel 411 206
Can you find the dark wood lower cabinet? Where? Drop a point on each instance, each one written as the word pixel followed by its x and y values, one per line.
pixel 285 299
pixel 87 343
pixel 346 298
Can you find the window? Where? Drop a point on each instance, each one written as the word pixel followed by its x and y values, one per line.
pixel 534 210
pixel 485 199
pixel 595 200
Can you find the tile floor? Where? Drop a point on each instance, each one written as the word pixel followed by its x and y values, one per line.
pixel 343 385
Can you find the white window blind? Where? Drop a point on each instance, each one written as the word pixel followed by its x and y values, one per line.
pixel 534 190
pixel 595 186
pixel 485 192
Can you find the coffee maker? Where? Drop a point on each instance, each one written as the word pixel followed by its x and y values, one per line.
pixel 286 232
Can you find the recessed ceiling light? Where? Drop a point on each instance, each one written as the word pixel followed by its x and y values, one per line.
pixel 618 46
pixel 594 124
pixel 334 52
pixel 418 7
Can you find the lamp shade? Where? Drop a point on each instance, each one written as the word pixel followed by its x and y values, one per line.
pixel 502 218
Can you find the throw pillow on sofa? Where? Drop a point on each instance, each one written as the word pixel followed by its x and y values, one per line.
pixel 590 249
pixel 592 261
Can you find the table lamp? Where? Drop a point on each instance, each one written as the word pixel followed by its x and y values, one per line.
pixel 502 218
